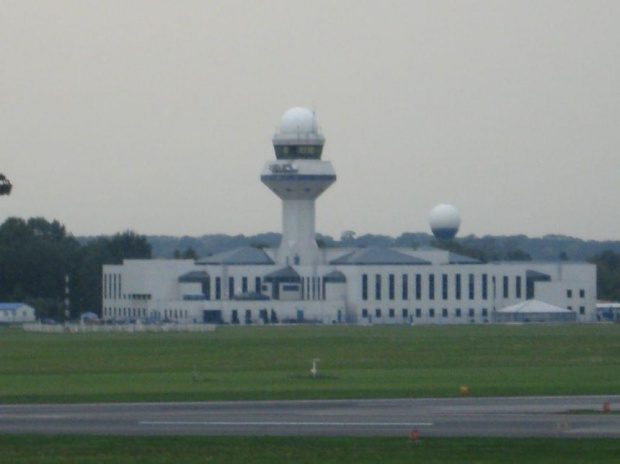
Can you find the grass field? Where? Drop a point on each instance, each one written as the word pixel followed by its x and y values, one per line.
pixel 275 450
pixel 274 363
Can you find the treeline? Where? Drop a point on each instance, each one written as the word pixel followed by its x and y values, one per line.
pixel 37 257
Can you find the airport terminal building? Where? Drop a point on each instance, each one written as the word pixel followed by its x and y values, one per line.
pixel 300 282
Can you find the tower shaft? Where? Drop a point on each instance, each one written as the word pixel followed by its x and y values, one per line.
pixel 298 184
pixel 298 233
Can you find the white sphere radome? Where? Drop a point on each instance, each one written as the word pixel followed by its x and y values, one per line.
pixel 298 120
pixel 445 221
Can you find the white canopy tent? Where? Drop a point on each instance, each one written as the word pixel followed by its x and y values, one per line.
pixel 534 311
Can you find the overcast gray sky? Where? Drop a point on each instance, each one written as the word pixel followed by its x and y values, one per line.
pixel 158 116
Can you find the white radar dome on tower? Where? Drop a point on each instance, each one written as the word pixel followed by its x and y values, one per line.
pixel 298 120
pixel 445 221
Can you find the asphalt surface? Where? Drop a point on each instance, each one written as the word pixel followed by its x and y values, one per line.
pixel 578 416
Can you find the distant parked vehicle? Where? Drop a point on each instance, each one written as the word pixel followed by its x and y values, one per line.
pixel 89 318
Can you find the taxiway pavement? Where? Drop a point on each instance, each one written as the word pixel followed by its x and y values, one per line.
pixel 566 416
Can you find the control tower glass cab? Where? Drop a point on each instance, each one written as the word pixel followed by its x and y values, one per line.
pixel 298 177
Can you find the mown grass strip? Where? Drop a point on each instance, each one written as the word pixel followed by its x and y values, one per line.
pixel 18 449
pixel 275 362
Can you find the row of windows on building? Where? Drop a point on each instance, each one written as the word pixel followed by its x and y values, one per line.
pixel 117 313
pixel 431 313
pixel 418 286
pixel 264 316
pixel 249 316
pixel 460 284
pixel 271 317
pixel 112 286
pixel 299 150
pixel 142 313
pixel 312 288
pixel 569 293
pixel 418 313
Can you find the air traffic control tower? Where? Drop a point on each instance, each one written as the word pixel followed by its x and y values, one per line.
pixel 298 177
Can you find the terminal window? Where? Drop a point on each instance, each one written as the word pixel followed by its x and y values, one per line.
pixel 418 286
pixel 431 287
pixel 364 286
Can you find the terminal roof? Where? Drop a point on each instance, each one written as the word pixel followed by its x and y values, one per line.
pixel 11 306
pixel 378 256
pixel 239 256
pixel 286 274
pixel 335 277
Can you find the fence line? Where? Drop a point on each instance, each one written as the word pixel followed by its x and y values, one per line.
pixel 128 328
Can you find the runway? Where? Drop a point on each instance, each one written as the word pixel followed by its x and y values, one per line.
pixel 575 416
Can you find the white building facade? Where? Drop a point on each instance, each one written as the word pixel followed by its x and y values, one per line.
pixel 14 313
pixel 299 282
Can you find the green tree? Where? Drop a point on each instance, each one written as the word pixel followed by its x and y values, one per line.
pixel 608 275
pixel 35 257
pixel 189 253
pixel 347 237
pixel 103 250
pixel 517 255
pixel 128 245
